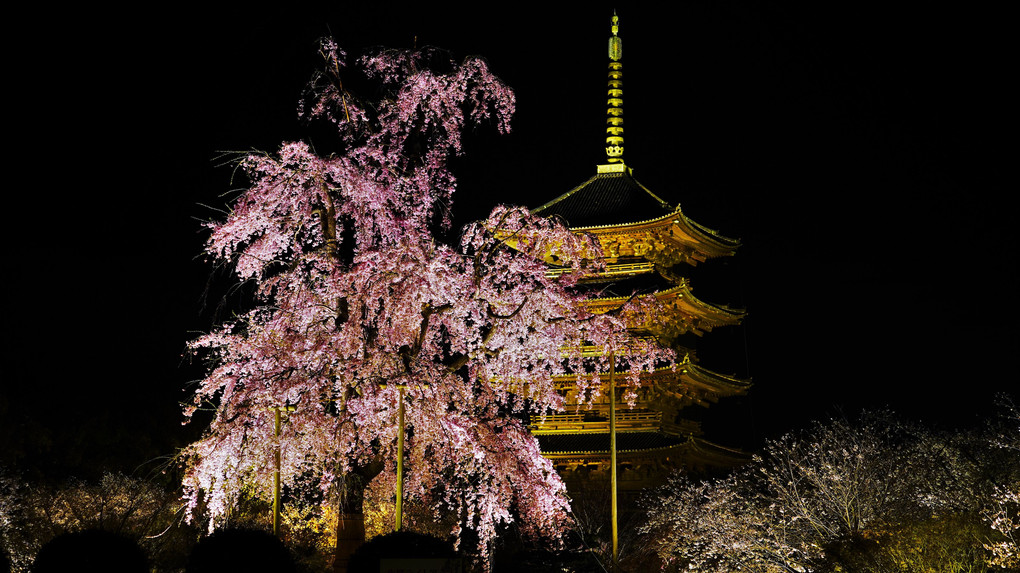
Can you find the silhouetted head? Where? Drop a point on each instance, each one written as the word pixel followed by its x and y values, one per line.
pixel 246 550
pixel 91 550
pixel 398 545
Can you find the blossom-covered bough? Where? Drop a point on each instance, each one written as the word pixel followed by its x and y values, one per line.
pixel 1003 513
pixel 356 295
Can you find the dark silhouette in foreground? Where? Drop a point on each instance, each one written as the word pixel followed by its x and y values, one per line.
pixel 91 550
pixel 399 545
pixel 247 550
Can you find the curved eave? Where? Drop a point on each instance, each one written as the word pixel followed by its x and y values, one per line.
pixel 712 452
pixel 706 243
pixel 720 384
pixel 680 299
pixel 687 372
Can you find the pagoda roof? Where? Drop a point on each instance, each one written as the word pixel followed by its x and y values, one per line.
pixel 694 314
pixel 616 202
pixel 595 448
pixel 635 227
pixel 718 384
pixel 606 199
pixel 695 378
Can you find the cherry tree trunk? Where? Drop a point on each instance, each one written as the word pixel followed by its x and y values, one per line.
pixel 350 535
pixel 350 525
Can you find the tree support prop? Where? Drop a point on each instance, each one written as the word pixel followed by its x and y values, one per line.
pixel 612 453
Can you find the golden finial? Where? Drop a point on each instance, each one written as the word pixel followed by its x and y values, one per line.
pixel 614 115
pixel 615 43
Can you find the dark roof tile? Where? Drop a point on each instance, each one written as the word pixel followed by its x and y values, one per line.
pixel 606 199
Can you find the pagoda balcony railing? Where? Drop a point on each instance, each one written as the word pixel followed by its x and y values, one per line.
pixel 611 270
pixel 589 350
pixel 587 424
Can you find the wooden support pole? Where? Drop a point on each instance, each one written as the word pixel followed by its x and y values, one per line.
pixel 276 473
pixel 276 479
pixel 612 451
pixel 400 460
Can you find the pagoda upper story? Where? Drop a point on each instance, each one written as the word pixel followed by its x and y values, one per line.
pixel 632 223
pixel 642 235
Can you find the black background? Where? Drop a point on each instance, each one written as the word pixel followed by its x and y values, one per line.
pixel 859 152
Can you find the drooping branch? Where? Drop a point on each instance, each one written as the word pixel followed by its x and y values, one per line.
pixel 493 314
pixel 426 314
pixel 327 218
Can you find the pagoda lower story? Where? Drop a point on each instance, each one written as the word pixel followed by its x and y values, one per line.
pixel 644 459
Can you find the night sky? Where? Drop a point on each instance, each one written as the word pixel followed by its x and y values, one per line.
pixel 859 153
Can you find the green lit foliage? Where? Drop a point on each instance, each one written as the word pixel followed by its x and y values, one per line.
pixel 1004 518
pixel 946 543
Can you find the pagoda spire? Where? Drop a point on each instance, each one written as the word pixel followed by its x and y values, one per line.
pixel 614 113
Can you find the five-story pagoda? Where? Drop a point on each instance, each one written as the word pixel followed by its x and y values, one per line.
pixel 648 243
